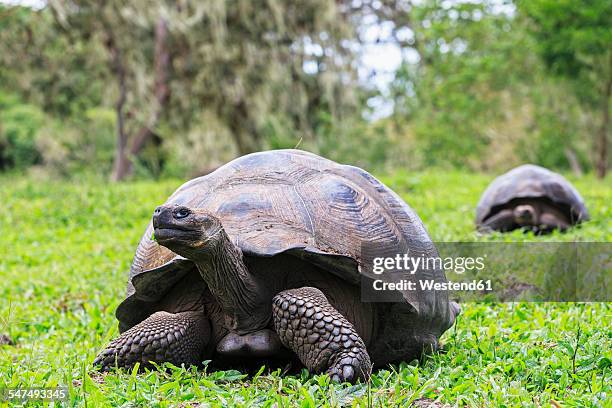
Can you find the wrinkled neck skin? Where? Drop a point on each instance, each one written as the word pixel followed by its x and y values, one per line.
pixel 233 286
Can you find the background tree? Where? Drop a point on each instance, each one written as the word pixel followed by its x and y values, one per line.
pixel 461 80
pixel 472 93
pixel 178 88
pixel 243 62
pixel 44 78
pixel 575 41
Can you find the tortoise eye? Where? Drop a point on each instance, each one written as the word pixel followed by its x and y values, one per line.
pixel 181 213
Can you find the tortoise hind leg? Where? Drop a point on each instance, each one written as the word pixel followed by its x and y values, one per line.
pixel 549 222
pixel 551 218
pixel 178 338
pixel 323 339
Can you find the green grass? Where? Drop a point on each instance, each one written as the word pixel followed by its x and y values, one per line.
pixel 65 249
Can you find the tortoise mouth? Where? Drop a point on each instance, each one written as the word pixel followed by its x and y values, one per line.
pixel 172 233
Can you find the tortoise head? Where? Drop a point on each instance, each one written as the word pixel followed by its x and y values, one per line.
pixel 186 231
pixel 525 215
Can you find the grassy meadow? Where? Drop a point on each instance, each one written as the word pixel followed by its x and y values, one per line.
pixel 66 247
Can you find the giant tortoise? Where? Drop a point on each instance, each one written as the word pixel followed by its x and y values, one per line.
pixel 264 257
pixel 530 197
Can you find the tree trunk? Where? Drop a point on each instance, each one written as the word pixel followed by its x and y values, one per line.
pixel 572 159
pixel 121 164
pixel 162 89
pixel 124 158
pixel 602 158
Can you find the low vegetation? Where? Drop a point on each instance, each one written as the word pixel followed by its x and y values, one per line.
pixel 66 248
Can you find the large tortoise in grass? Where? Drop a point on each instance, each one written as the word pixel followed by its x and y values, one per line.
pixel 530 197
pixel 263 258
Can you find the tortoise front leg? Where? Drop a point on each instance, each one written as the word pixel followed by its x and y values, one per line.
pixel 321 337
pixel 502 221
pixel 178 338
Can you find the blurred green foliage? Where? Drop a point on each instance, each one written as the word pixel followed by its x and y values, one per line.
pixel 574 39
pixel 480 97
pixel 19 126
pixel 482 85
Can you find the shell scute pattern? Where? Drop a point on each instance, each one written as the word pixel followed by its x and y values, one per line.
pixel 288 200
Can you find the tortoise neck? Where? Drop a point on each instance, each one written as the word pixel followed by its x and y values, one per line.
pixel 233 286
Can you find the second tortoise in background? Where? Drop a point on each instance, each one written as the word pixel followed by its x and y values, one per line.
pixel 530 197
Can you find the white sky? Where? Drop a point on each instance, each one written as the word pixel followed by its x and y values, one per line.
pixel 35 4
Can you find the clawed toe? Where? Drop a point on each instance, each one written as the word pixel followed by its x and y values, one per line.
pixel 346 374
pixel 350 367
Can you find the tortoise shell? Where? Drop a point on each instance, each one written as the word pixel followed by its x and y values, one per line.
pixel 531 181
pixel 289 201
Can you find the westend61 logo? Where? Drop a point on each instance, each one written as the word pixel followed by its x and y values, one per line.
pixel 404 263
pixel 487 271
